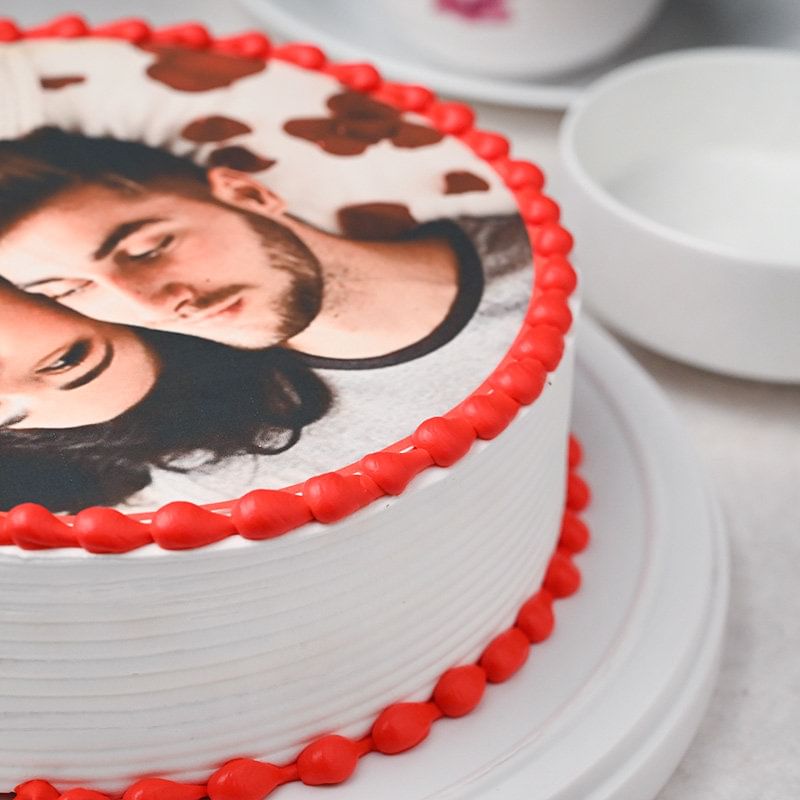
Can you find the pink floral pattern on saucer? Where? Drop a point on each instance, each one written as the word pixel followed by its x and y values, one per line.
pixel 476 9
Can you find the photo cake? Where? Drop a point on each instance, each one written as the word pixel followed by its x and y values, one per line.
pixel 286 357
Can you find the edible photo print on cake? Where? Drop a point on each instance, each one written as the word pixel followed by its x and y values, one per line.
pixel 219 274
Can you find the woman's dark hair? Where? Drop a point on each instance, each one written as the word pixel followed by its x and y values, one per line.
pixel 209 403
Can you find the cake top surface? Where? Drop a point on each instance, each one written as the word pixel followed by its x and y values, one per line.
pixel 221 273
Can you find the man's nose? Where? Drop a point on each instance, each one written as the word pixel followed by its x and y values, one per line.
pixel 165 298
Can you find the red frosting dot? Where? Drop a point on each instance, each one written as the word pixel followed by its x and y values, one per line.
pixel 329 760
pixel 244 779
pixel 446 439
pixel 267 513
pixel 544 343
pixel 538 210
pixel 551 308
pixel 486 145
pixel 36 790
pixel 83 794
pixel 9 32
pixel 392 472
pixel 183 526
pixel 460 690
pixel 575 453
pixel 574 533
pixel 520 174
pixel 104 530
pixel 304 55
pixel 5 535
pixel 131 30
pixel 70 26
pixel 252 44
pixel 31 527
pixel 578 493
pixel 159 789
pixel 332 496
pixel 451 118
pixel 407 97
pixel 521 380
pixel 416 98
pixel 557 273
pixel 361 77
pixel 403 726
pixel 190 34
pixel 505 655
pixel 490 414
pixel 536 619
pixel 562 578
pixel 552 238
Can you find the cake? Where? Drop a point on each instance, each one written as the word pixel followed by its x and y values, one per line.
pixel 286 473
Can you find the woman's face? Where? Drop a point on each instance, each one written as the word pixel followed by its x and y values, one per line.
pixel 59 369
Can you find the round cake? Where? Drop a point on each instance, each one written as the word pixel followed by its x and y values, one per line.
pixel 285 378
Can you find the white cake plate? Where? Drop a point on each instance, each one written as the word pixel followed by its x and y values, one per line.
pixel 364 36
pixel 607 706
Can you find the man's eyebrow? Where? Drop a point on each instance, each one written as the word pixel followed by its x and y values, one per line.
pixel 93 373
pixel 120 233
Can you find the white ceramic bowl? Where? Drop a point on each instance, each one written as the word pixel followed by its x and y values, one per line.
pixel 682 186
pixel 516 38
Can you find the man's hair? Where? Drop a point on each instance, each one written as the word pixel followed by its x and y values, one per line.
pixel 210 402
pixel 36 168
pixel 47 161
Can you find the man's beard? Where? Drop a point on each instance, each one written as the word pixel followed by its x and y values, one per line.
pixel 301 303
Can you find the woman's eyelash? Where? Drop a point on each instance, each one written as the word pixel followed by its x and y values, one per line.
pixel 75 355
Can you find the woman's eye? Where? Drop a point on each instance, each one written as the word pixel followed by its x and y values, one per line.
pixel 154 252
pixel 67 360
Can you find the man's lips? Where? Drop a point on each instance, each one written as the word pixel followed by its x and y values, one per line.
pixel 226 310
pixel 226 307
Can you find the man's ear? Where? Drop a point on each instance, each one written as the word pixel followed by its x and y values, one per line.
pixel 241 190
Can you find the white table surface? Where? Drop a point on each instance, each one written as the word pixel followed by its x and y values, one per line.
pixel 747 436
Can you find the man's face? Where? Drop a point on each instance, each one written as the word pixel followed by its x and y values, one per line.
pixel 166 260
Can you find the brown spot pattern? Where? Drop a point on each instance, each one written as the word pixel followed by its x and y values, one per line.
pixel 237 157
pixel 374 221
pixel 461 182
pixel 411 135
pixel 199 70
pixel 60 81
pixel 356 122
pixel 214 129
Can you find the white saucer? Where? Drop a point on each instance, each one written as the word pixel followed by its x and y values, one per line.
pixel 682 24
pixel 605 708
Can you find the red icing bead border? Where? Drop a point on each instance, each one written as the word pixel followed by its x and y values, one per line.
pixel 332 759
pixel 442 441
